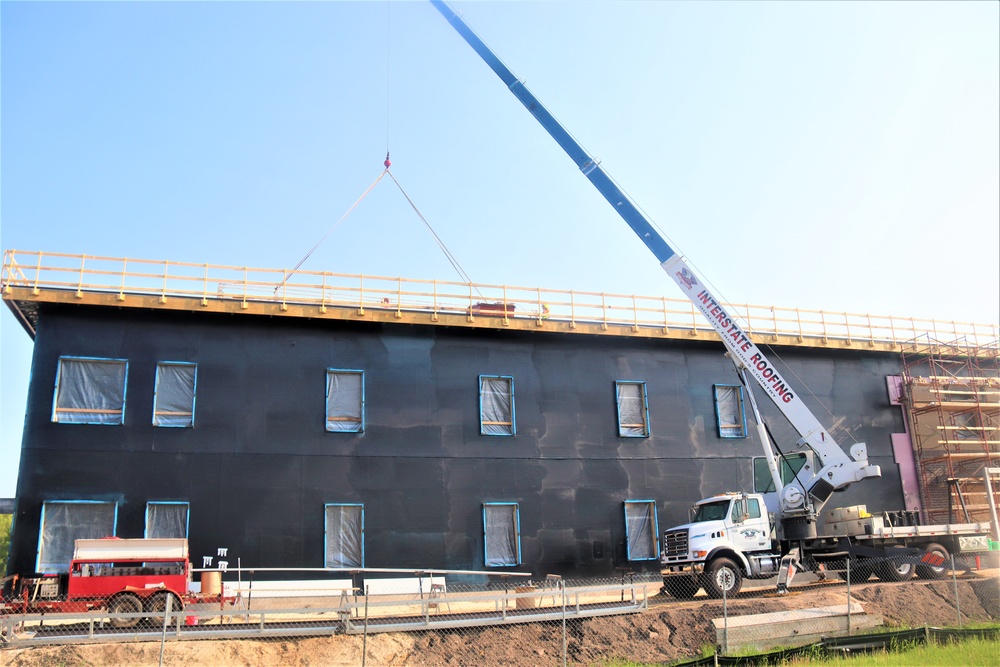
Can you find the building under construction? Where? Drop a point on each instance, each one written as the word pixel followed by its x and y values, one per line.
pixel 332 421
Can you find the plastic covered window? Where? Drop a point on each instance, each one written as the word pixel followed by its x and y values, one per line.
pixel 641 539
pixel 173 397
pixel 345 536
pixel 167 519
pixel 65 521
pixel 790 465
pixel 501 534
pixel 90 391
pixel 729 412
pixel 496 405
pixel 633 412
pixel 345 401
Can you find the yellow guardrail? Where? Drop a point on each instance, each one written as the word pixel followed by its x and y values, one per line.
pixel 91 274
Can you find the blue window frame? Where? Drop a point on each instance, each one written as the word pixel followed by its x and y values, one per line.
pixel 730 414
pixel 642 538
pixel 501 534
pixel 90 391
pixel 633 409
pixel 167 519
pixel 345 400
pixel 65 521
pixel 344 538
pixel 174 394
pixel 496 405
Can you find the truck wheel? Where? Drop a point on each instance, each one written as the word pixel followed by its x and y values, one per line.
pixel 894 569
pixel 722 577
pixel 157 604
pixel 126 603
pixel 932 571
pixel 682 588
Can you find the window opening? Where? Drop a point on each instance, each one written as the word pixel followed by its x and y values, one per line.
pixel 641 532
pixel 167 519
pixel 90 391
pixel 174 394
pixel 345 535
pixel 65 521
pixel 496 405
pixel 501 534
pixel 633 409
pixel 730 414
pixel 345 400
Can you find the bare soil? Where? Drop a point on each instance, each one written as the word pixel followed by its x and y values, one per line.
pixel 669 630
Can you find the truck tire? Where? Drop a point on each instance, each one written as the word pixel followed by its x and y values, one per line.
pixel 682 588
pixel 124 603
pixel 895 569
pixel 157 604
pixel 722 577
pixel 930 571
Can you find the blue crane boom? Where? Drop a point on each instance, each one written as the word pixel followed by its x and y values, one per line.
pixel 835 470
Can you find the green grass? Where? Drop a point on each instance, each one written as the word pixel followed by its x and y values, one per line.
pixel 965 653
pixel 5 524
pixel 971 652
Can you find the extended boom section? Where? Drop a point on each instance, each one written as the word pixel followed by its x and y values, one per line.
pixel 834 469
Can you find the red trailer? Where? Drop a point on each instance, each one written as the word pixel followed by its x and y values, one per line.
pixel 123 576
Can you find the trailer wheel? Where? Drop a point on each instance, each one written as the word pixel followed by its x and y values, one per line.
pixel 156 604
pixel 931 571
pixel 682 588
pixel 125 603
pixel 722 578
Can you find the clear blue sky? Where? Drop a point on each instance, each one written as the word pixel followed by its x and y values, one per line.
pixel 841 156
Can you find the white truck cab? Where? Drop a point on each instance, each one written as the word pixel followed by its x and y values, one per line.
pixel 729 538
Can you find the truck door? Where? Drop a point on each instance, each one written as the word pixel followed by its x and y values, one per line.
pixel 750 529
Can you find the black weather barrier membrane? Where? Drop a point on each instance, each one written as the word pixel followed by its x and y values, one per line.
pixel 838 646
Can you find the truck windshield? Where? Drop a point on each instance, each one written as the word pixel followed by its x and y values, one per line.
pixel 712 511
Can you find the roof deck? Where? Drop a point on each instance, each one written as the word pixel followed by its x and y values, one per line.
pixel 30 278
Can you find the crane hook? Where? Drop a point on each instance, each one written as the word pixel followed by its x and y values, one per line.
pixel 387 163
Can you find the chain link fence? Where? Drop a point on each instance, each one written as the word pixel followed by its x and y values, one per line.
pixel 432 620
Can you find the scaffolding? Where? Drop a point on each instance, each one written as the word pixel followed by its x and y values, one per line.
pixel 952 394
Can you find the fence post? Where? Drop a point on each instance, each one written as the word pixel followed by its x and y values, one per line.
pixel 562 589
pixel 364 641
pixel 166 621
pixel 725 621
pixel 954 581
pixel 848 596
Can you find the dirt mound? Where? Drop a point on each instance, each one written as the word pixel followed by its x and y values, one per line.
pixel 668 631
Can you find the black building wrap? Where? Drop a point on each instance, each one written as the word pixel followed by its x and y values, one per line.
pixel 258 465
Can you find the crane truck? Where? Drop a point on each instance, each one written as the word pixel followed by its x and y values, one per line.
pixel 738 535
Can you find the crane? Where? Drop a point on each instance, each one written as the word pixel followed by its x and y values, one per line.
pixel 799 500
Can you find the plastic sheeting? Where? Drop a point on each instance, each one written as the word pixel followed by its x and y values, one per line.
pixel 496 400
pixel 65 522
pixel 173 403
pixel 729 410
pixel 90 391
pixel 344 401
pixel 501 532
pixel 166 520
pixel 345 536
pixel 640 530
pixel 631 410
